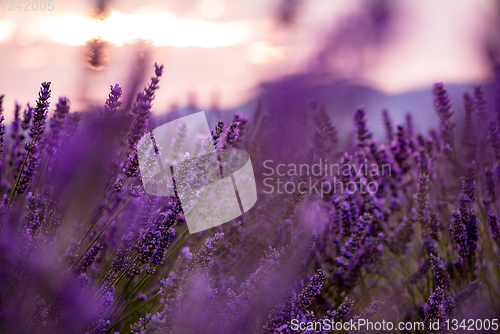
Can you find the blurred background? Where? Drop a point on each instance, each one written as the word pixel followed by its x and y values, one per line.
pixel 225 54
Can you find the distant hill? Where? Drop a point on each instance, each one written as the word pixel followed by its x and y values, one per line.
pixel 286 99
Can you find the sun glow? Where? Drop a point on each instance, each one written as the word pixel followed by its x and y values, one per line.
pixel 6 29
pixel 118 29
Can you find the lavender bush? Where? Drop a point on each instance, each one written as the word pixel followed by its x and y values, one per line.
pixel 83 249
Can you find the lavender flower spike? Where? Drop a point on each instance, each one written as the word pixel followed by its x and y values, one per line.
pixel 2 133
pixel 442 104
pixel 40 112
pixel 494 227
pixel 479 97
pixel 343 309
pixel 494 139
pixel 363 133
pixel 497 92
pixel 57 121
pixel 88 259
pixel 389 129
pixel 2 127
pixel 467 292
pixel 142 108
pixel 468 136
pixel 27 116
pixel 435 309
pixel 440 275
pixel 36 131
pixel 112 103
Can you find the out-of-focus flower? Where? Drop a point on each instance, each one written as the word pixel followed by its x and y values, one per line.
pixel 389 130
pixel 112 102
pixel 435 308
pixel 469 143
pixel 442 104
pixel 494 227
pixel 362 131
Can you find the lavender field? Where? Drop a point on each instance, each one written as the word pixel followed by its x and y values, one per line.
pixel 366 220
pixel 85 249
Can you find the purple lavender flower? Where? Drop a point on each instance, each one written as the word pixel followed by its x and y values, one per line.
pixel 422 212
pixel 203 259
pixel 16 123
pixel 17 136
pixel 464 224
pixel 464 232
pixel 389 130
pixel 71 123
pixel 142 108
pixel 62 110
pixel 346 219
pixel 362 131
pixel 465 294
pixel 217 132
pixel 324 124
pixel 458 233
pixel 468 134
pixel 36 131
pixel 479 96
pixel 436 308
pixel 121 260
pixel 494 139
pixel 442 105
pixel 155 237
pixel 469 182
pixel 57 122
pixel 368 314
pixel 440 275
pixel 494 227
pixel 112 102
pixel 410 128
pixel 131 168
pixel 402 236
pixel 352 249
pixel 235 131
pixel 497 92
pixel 490 186
pixel 401 149
pixel 27 116
pixel 2 126
pixel 40 112
pixel 2 133
pixel 87 259
pixel 339 314
pixel 284 313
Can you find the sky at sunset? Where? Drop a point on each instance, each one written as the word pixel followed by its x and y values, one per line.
pixel 226 47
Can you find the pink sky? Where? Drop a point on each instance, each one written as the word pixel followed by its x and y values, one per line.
pixel 434 41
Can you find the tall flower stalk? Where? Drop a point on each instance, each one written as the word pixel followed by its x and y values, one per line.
pixel 36 131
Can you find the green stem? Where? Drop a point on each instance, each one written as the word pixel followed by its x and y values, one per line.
pixel 132 312
pixel 102 212
pixel 104 228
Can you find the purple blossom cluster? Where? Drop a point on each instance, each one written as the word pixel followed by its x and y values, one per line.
pixel 83 249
